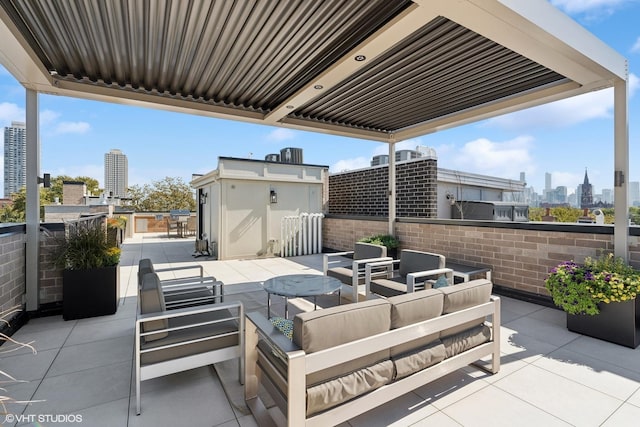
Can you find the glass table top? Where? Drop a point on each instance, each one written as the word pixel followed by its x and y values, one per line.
pixel 301 285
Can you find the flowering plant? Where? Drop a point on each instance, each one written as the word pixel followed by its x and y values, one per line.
pixel 578 289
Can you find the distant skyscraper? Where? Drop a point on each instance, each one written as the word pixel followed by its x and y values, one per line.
pixel 15 158
pixel 634 193
pixel 547 181
pixel 116 172
pixel 586 199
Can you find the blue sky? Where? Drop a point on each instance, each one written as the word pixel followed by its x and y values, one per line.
pixel 562 138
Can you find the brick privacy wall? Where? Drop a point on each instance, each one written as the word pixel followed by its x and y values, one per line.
pixel 364 192
pixel 519 259
pixel 12 269
pixel 50 280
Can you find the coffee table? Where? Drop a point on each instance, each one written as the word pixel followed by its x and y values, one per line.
pixel 466 271
pixel 300 285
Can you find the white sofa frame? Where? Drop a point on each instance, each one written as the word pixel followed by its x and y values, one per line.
pixel 300 364
pixel 389 267
pixel 154 370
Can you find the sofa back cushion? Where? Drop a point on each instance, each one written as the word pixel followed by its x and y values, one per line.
pixel 152 301
pixel 412 308
pixel 321 329
pixel 465 295
pixel 413 261
pixel 368 250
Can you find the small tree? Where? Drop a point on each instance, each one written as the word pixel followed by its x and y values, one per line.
pixel 164 195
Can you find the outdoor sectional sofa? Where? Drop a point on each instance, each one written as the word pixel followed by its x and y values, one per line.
pixel 346 360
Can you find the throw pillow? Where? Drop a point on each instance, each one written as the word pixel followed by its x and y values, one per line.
pixel 441 282
pixel 283 325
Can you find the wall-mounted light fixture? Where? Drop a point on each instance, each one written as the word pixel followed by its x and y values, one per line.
pixel 203 198
pixel 618 178
pixel 46 180
pixel 273 196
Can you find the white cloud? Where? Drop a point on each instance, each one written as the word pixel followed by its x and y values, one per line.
pixel 503 159
pixel 350 164
pixel 564 113
pixel 583 6
pixel 636 46
pixel 72 127
pixel 281 134
pixel 10 112
pixel 48 117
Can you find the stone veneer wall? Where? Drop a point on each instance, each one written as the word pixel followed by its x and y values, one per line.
pixel 12 266
pixel 519 254
pixel 364 192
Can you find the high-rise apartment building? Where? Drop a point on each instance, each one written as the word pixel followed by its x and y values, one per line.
pixel 634 193
pixel 15 158
pixel 116 172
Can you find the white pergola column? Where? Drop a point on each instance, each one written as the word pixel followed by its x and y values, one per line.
pixel 392 188
pixel 32 202
pixel 621 170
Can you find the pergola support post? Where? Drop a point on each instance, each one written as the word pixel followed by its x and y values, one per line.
pixel 392 188
pixel 621 170
pixel 32 214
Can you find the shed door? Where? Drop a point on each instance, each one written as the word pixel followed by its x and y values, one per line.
pixel 246 219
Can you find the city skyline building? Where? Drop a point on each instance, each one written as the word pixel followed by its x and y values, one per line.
pixel 116 174
pixel 634 193
pixel 15 158
pixel 586 196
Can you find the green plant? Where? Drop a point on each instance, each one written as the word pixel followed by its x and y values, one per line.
pixel 85 247
pixel 386 240
pixel 578 289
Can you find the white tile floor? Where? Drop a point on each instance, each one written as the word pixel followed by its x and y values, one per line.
pixel 84 368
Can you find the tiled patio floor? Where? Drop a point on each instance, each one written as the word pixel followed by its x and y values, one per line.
pixel 83 369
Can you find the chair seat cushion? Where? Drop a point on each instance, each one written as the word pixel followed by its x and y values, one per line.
pixel 389 287
pixel 189 338
pixel 344 274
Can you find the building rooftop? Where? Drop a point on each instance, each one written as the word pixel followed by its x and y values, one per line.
pixel 84 368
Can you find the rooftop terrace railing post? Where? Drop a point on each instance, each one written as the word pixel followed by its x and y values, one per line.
pixel 621 169
pixel 32 201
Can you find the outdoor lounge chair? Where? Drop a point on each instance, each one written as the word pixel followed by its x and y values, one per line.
pixel 186 290
pixel 177 340
pixel 416 270
pixel 363 253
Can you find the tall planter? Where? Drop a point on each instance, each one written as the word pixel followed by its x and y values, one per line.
pixel 90 293
pixel 617 322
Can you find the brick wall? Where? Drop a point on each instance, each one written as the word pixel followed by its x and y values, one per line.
pixel 520 255
pixel 12 269
pixel 364 192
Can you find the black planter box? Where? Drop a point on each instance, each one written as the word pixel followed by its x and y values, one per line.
pixel 618 322
pixel 90 293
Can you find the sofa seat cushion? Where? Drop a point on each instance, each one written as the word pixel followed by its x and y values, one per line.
pixel 463 341
pixel 408 309
pixel 332 392
pixel 339 390
pixel 188 336
pixel 462 296
pixel 418 359
pixel 330 327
